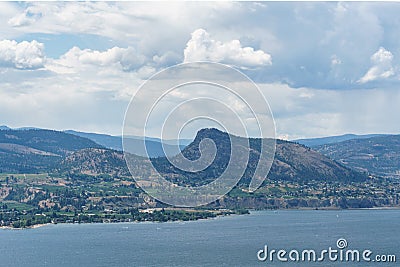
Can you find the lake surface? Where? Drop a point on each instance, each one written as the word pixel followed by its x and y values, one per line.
pixel 224 241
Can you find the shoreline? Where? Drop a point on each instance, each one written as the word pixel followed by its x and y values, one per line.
pixel 24 228
pixel 331 208
pixel 202 219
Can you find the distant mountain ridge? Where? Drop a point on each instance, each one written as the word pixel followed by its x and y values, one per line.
pixel 36 150
pixel 4 127
pixel 154 146
pixel 31 151
pixel 108 141
pixel 115 142
pixel 312 142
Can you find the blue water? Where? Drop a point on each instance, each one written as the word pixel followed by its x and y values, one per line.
pixel 224 241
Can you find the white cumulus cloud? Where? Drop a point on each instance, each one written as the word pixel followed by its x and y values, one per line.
pixel 23 55
pixel 124 58
pixel 202 47
pixel 382 66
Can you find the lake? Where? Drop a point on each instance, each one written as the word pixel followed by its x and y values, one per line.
pixel 224 241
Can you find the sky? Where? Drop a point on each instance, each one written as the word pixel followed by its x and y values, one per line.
pixel 325 68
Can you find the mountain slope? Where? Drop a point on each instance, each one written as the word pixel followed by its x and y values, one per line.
pixel 292 162
pixel 95 161
pixel 30 151
pixel 377 155
pixel 297 162
pixel 43 151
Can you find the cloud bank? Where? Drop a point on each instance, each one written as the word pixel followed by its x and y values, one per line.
pixel 116 57
pixel 201 47
pixel 23 55
pixel 326 67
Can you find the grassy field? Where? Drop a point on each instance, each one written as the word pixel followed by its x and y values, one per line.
pixel 22 177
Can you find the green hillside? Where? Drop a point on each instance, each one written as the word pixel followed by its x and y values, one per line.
pixel 34 150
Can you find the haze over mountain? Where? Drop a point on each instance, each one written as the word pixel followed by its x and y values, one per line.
pixel 154 146
pixel 312 142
